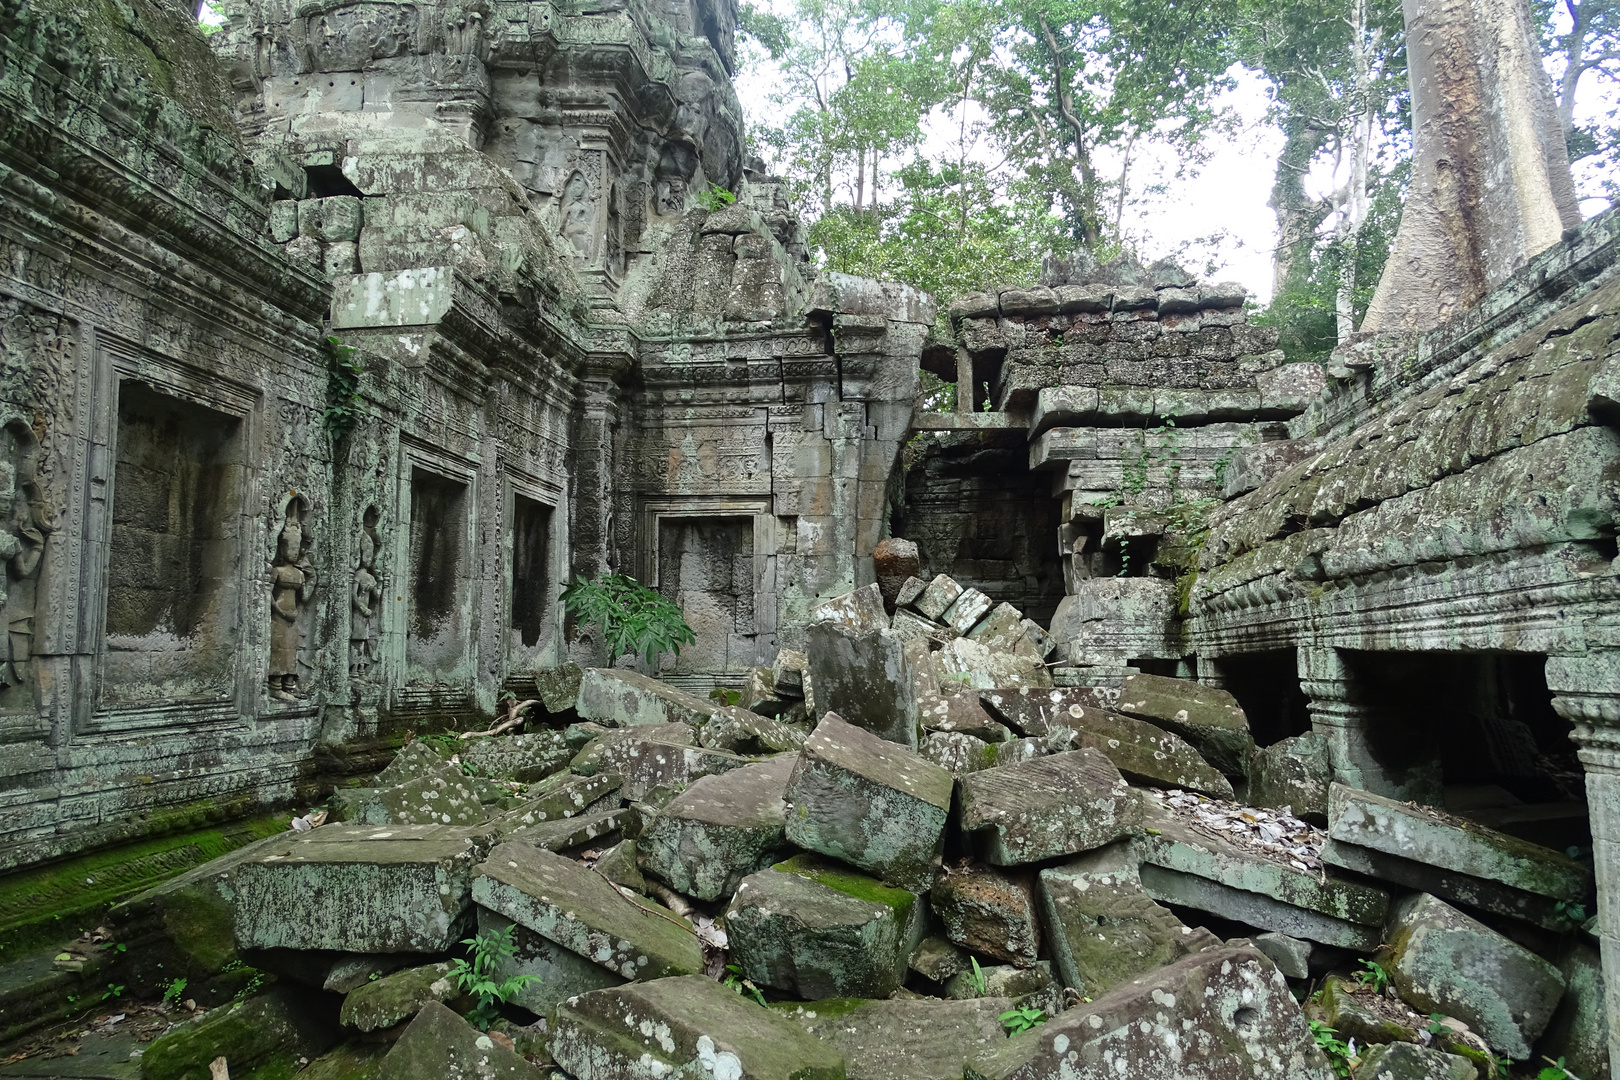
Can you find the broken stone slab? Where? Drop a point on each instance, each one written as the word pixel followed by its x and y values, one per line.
pixel 445 797
pixel 1444 961
pixel 271 1030
pixel 588 761
pixel 618 864
pixel 860 611
pixel 416 759
pixel 1433 837
pixel 788 672
pixel 759 695
pixel 720 830
pixel 902 1040
pixel 357 888
pixel 870 803
pixel 910 590
pixel 1291 955
pixel 620 698
pixel 815 929
pixel 394 998
pixel 1033 710
pixel 1103 928
pixel 1403 1061
pixel 1579 1031
pixel 439 1045
pixel 526 759
pixel 684 1027
pixel 1048 807
pixel 962 712
pixel 895 561
pixel 966 610
pixel 594 825
pixel 1142 752
pixel 1218 1013
pixel 1344 1007
pixel 1473 892
pixel 865 677
pixel 558 687
pixel 561 900
pixel 649 763
pixel 1002 630
pixel 937 958
pixel 936 596
pixel 559 972
pixel 352 972
pixel 913 627
pixel 957 753
pixel 1193 869
pixel 989 913
pixel 1293 772
pixel 1031 987
pixel 563 796
pixel 978 667
pixel 738 730
pixel 1209 719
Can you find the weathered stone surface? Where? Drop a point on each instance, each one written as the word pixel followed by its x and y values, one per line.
pixel 1218 1013
pixel 1143 753
pixel 356 970
pixel 966 611
pixel 962 712
pixel 415 759
pixel 355 888
pixel 1103 928
pixel 911 626
pixel 588 761
pixel 1294 772
pixel 598 823
pixel 273 1029
pixel 561 900
pixel 817 930
pixel 618 864
pixel 1344 1007
pixel 1474 892
pixel 1291 955
pixel 1427 835
pixel 860 611
pixel 864 676
pixel 1579 1030
pixel 1047 807
pixel 989 913
pixel 1031 987
pixel 1002 630
pixel 563 796
pixel 957 753
pixel 788 671
pixel 648 763
pixel 620 698
pixel 397 997
pixel 759 695
pixel 558 686
pixel 742 731
pixel 1443 961
pixel 1033 710
pixel 936 958
pixel 439 1045
pixel 440 798
pixel 1403 1061
pixel 869 802
pixel 719 830
pixel 940 594
pixel 895 561
pixel 903 1040
pixel 1209 719
pixel 684 1027
pixel 523 758
pixel 559 972
pixel 976 666
pixel 1196 870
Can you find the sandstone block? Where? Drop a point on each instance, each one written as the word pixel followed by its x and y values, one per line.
pixel 1051 806
pixel 719 830
pixel 272 1030
pixel 966 610
pixel 442 798
pixel 903 1040
pixel 956 752
pixel 648 763
pixel 1218 1013
pixel 598 823
pixel 909 625
pixel 895 561
pixel 1295 773
pixel 976 666
pixel 620 698
pixel 936 958
pixel 962 712
pixel 588 761
pixel 1443 961
pixel 1102 926
pixel 1031 987
pixel 742 731
pixel 562 901
pixel 861 611
pixel 870 803
pixel 1403 1061
pixel 864 677
pixel 1142 752
pixel 788 672
pixel 1208 718
pixel 939 594
pixel 1291 955
pixel 1002 630
pixel 526 759
pixel 989 913
pixel 415 760
pixel 563 796
pixel 910 590
pixel 283 220
pixel 559 972
pixel 439 1045
pixel 819 930
pixel 681 1027
pixel 558 687
pixel 396 997
pixel 355 888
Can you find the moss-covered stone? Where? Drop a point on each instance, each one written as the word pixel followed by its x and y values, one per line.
pixel 903 1040
pixel 347 1061
pixel 719 830
pixel 1047 807
pixel 439 1045
pixel 279 1026
pixel 387 1001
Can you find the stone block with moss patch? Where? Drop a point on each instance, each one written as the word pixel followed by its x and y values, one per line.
pixel 650 763
pixel 870 802
pixel 348 1061
pixel 689 1026
pixel 444 797
pixel 559 973
pixel 1403 1061
pixel 439 1045
pixel 1048 807
pixel 279 1026
pixel 816 929
pixel 720 830
pixel 1143 753
pixel 525 759
pixel 620 698
pixel 903 1040
pixel 418 758
pixel 956 752
pixel 1208 718
pixel 579 909
pixel 1027 988
pixel 587 761
pixel 391 999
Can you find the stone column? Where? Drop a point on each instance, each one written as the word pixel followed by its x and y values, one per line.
pixel 1586 692
pixel 1339 714
pixel 596 420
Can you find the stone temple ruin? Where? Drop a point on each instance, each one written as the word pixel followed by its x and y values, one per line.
pixel 1145 691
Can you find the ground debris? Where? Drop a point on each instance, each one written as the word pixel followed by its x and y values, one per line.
pixel 1274 833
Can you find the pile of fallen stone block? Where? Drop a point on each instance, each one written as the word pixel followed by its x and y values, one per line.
pixel 902 854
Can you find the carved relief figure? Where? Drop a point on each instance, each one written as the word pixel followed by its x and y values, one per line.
pixel 366 596
pixel 292 580
pixel 576 216
pixel 22 541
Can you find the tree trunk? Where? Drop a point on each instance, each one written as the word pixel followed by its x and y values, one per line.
pixel 1298 215
pixel 1491 185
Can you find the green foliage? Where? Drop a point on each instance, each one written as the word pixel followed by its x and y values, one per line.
pixel 734 981
pixel 477 976
pixel 1019 1020
pixel 1554 1070
pixel 720 695
pixel 714 197
pixel 632 617
pixel 174 992
pixel 976 978
pixel 113 990
pixel 343 371
pixel 1570 912
pixel 1373 976
pixel 1436 1023
pixel 1336 1049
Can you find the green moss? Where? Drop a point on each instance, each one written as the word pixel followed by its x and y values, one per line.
pixel 850 883
pixel 825 1009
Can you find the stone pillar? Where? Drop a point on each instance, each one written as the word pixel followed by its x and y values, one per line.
pixel 1340 715
pixel 596 420
pixel 964 381
pixel 1586 692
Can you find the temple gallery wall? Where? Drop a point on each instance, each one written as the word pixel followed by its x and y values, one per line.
pixel 335 344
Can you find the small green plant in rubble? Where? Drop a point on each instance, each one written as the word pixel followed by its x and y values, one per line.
pixel 477 976
pixel 1335 1048
pixel 1022 1019
pixel 632 617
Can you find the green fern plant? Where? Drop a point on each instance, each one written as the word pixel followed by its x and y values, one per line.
pixel 714 197
pixel 476 977
pixel 632 617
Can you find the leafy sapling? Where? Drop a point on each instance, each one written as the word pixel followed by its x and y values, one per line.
pixel 476 977
pixel 632 617
pixel 1022 1019
pixel 735 982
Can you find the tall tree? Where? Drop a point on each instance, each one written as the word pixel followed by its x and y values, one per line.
pixel 1582 38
